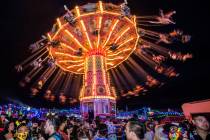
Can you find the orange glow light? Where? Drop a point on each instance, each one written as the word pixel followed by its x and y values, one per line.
pixel 84 28
pixel 59 23
pixel 110 33
pixel 75 39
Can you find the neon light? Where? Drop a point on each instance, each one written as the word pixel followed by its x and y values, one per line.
pixel 126 42
pixel 118 52
pixel 117 14
pixel 104 75
pixel 56 33
pixel 59 30
pixel 84 28
pixel 98 97
pixel 77 10
pixel 80 69
pixel 72 61
pixel 127 56
pixel 101 6
pixel 122 34
pixel 115 54
pixel 110 64
pixel 120 57
pixel 99 29
pixel 88 14
pixel 59 23
pixel 65 54
pixel 110 33
pixel 75 65
pixel 82 90
pixel 103 69
pixel 126 49
pixel 49 36
pixel 86 65
pixel 136 42
pixel 94 75
pixel 112 13
pixel 69 70
pixel 134 20
pixel 75 39
pixel 67 46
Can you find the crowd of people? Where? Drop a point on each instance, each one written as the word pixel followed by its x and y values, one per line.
pixel 57 126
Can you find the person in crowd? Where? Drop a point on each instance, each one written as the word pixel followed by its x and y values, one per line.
pixel 96 123
pixel 149 135
pixel 62 124
pixel 8 133
pixel 159 133
pixel 111 129
pixel 101 133
pixel 52 125
pixel 82 136
pixel 41 134
pixel 133 130
pixel 22 132
pixel 201 123
pixel 88 129
pixel 186 128
pixel 34 129
pixel 50 129
pixel 75 128
pixel 3 121
pixel 85 131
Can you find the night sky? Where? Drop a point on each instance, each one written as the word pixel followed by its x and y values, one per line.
pixel 24 21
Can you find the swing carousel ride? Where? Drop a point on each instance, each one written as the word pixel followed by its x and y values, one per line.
pixel 86 56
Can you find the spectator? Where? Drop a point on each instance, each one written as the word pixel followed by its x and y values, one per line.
pixel 34 129
pixel 22 132
pixel 149 135
pixel 3 121
pixel 111 129
pixel 8 133
pixel 201 124
pixel 159 133
pixel 102 132
pixel 82 136
pixel 134 130
pixel 62 126
pixel 49 128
